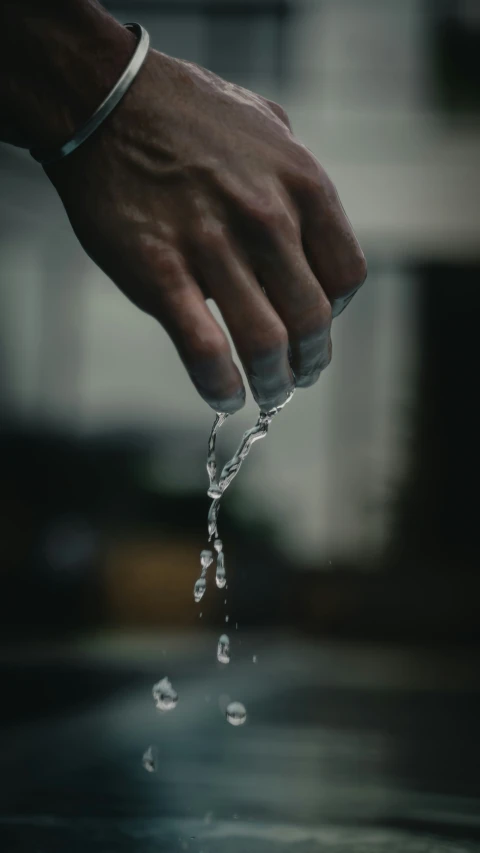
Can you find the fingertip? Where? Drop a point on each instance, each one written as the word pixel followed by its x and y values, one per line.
pixel 276 401
pixel 310 357
pixel 227 405
pixel 306 380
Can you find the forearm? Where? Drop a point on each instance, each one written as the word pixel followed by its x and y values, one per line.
pixel 59 59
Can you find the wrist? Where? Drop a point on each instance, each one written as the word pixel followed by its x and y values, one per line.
pixel 60 63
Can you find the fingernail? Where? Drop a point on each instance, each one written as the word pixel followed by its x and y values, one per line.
pixel 311 357
pixel 228 405
pixel 340 304
pixel 271 379
pixel 305 380
pixel 272 401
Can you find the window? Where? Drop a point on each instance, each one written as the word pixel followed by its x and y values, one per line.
pixel 456 43
pixel 245 41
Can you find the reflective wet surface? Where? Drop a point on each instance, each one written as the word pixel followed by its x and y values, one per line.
pixel 344 749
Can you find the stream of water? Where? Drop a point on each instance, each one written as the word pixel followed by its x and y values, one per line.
pixel 164 695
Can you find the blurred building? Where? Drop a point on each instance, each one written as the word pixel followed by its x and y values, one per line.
pixel 371 88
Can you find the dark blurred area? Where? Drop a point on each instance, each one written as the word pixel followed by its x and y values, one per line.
pixel 351 535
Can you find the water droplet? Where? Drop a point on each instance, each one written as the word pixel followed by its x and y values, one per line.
pixel 164 695
pixel 213 517
pixel 214 492
pixel 206 558
pixel 220 576
pixel 223 649
pixel 227 618
pixel 201 614
pixel 236 626
pixel 254 659
pixel 236 714
pixel 149 759
pixel 199 589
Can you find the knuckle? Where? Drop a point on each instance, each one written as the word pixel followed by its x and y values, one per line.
pixel 307 175
pixel 315 177
pixel 281 113
pixel 316 317
pixel 161 260
pixel 322 188
pixel 324 314
pixel 268 212
pixel 361 269
pixel 207 349
pixel 355 276
pixel 168 266
pixel 210 234
pixel 309 164
pixel 276 339
pixel 279 338
pixel 327 186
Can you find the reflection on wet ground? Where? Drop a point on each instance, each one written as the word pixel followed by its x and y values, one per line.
pixel 345 749
pixel 57 836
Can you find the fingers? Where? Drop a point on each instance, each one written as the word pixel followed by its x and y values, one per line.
pixel 280 112
pixel 302 305
pixel 329 242
pixel 170 294
pixel 292 265
pixel 258 333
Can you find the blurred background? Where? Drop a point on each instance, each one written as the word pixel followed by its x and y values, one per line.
pixel 351 534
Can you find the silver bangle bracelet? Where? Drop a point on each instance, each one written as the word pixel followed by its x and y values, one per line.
pixel 108 104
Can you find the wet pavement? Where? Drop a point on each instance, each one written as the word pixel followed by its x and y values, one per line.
pixel 345 748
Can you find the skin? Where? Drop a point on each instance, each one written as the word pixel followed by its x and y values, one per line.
pixel 194 189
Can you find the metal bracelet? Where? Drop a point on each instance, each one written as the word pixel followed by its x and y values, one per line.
pixel 113 98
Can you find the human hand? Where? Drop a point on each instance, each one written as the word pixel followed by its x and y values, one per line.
pixel 195 189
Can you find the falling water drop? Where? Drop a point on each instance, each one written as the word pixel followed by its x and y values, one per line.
pixel 220 576
pixel 223 649
pixel 214 492
pixel 236 714
pixel 164 695
pixel 149 759
pixel 212 517
pixel 206 558
pixel 199 589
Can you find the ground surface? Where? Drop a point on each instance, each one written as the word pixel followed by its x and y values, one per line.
pixel 346 749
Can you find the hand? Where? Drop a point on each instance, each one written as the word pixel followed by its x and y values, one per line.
pixel 196 189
